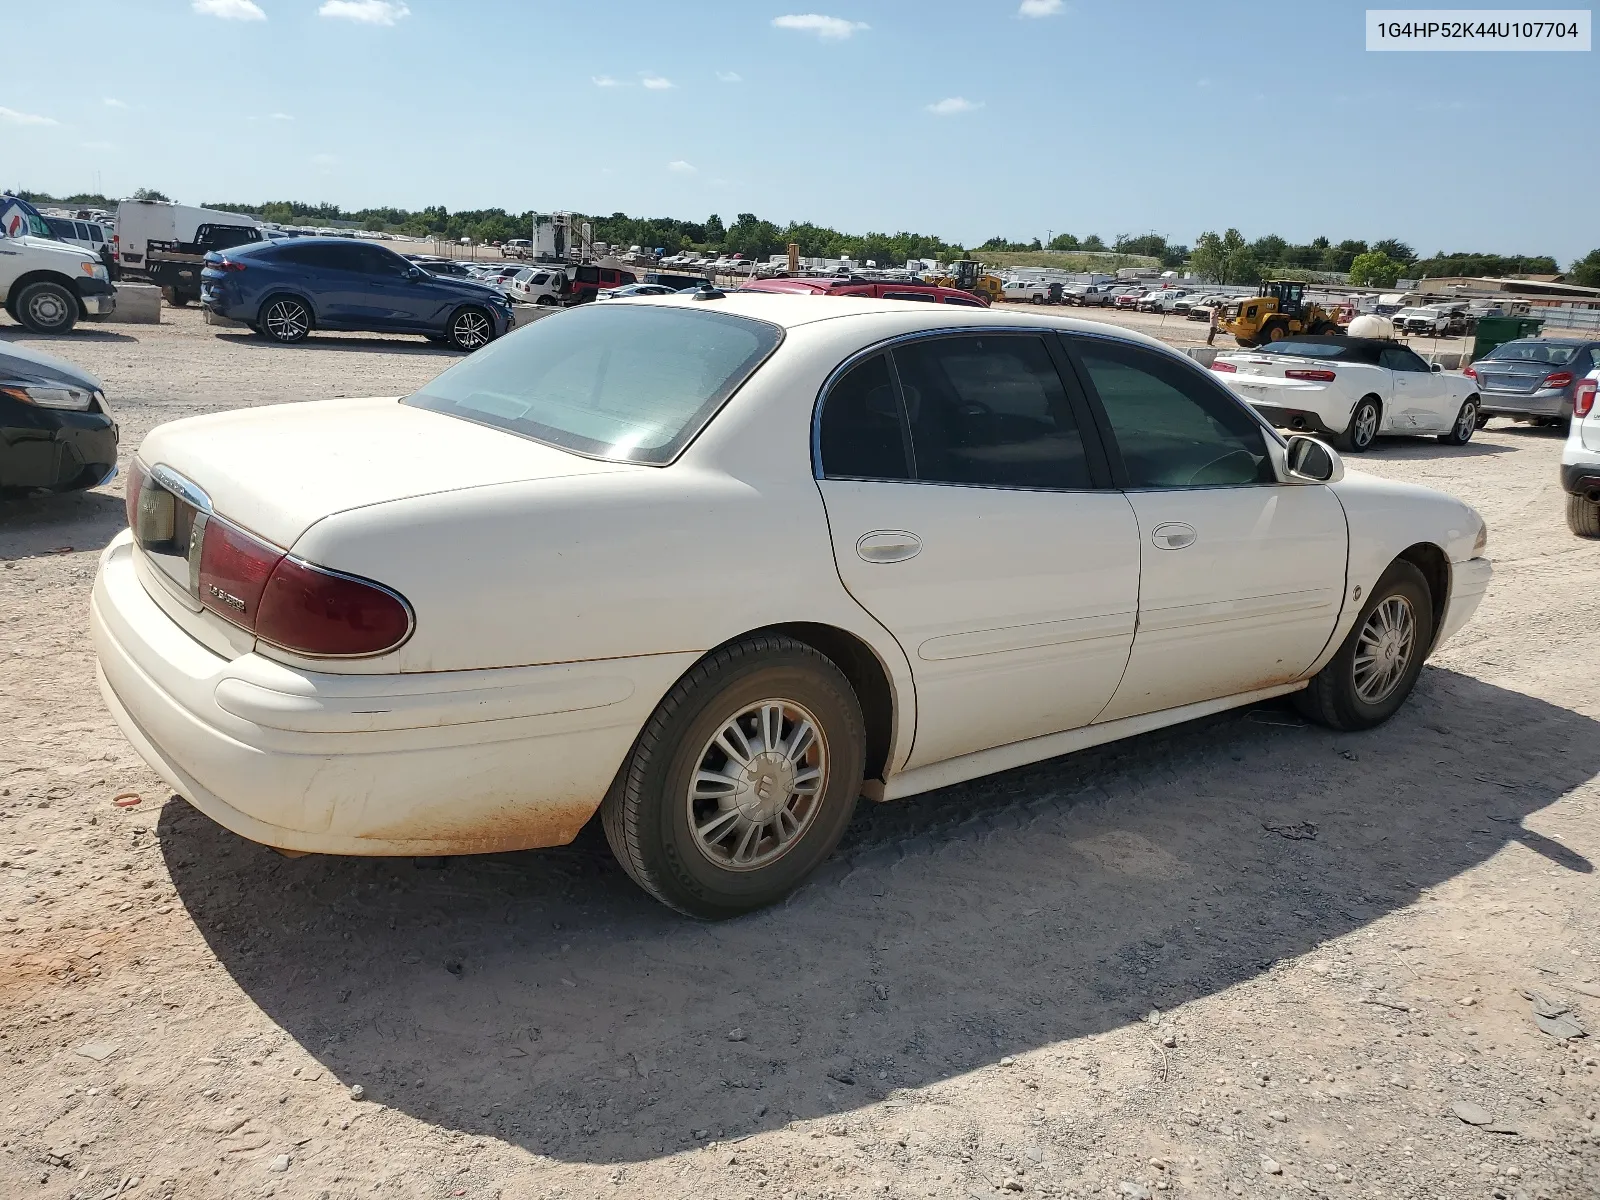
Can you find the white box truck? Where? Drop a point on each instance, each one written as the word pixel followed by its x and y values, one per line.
pixel 167 243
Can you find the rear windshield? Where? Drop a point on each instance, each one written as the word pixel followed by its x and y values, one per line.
pixel 1305 349
pixel 624 382
pixel 1551 354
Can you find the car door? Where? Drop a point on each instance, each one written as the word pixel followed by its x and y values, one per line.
pixel 391 298
pixel 966 499
pixel 1241 576
pixel 1419 394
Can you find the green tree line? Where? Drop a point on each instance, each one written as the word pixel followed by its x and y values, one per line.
pixel 1223 258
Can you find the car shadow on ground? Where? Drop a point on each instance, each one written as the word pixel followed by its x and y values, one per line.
pixel 1424 449
pixel 61 343
pixel 541 998
pixel 400 344
pixel 59 523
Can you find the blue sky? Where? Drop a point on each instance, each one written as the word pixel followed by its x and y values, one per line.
pixel 963 119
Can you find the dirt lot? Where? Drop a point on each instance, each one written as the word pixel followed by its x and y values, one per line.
pixel 1244 957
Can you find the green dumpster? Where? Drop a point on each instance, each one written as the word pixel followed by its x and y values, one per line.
pixel 1496 331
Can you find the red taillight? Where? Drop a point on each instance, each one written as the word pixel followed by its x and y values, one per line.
pixel 1583 398
pixel 1224 367
pixel 234 568
pixel 228 264
pixel 1557 379
pixel 1470 373
pixel 1314 376
pixel 322 613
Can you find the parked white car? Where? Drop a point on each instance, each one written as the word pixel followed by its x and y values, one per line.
pixel 718 567
pixel 536 285
pixel 1580 460
pixel 1025 290
pixel 1161 300
pixel 46 284
pixel 1423 321
pixel 1352 390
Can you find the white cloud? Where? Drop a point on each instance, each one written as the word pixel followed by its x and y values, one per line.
pixel 367 12
pixel 730 77
pixel 656 83
pixel 99 146
pixel 951 105
pixel 606 81
pixel 1202 83
pixel 1040 8
pixel 829 29
pixel 22 118
pixel 114 103
pixel 678 166
pixel 229 10
pixel 279 117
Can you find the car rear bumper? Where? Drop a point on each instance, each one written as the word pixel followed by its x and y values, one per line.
pixel 1581 478
pixel 1300 420
pixel 432 763
pixel 1557 402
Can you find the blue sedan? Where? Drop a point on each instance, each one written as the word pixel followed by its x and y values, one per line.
pixel 285 289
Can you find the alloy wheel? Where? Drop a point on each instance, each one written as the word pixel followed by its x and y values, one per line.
pixel 1384 650
pixel 287 320
pixel 1366 427
pixel 758 785
pixel 1467 421
pixel 470 330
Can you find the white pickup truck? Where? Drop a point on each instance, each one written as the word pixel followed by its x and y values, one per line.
pixel 46 284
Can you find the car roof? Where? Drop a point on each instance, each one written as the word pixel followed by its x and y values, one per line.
pixel 791 310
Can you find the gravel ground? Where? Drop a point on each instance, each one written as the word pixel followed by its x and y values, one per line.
pixel 1245 956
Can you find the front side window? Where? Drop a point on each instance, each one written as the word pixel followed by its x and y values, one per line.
pixel 990 411
pixel 1174 429
pixel 612 381
pixel 862 435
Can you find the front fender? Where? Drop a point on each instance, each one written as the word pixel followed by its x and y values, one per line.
pixel 1387 518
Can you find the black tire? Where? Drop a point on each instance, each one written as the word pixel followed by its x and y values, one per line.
pixel 1583 516
pixel 1326 329
pixel 1466 424
pixel 46 307
pixel 647 815
pixel 547 301
pixel 285 319
pixel 1361 433
pixel 1333 697
pixel 1038 299
pixel 1275 331
pixel 174 297
pixel 1483 419
pixel 471 328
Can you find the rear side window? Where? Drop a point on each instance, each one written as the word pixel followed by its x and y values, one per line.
pixel 1174 428
pixel 959 300
pixel 612 381
pixel 990 411
pixel 929 297
pixel 862 435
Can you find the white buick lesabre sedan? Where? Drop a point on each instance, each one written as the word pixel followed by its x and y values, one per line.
pixel 717 566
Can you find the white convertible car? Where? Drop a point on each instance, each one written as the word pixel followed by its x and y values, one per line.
pixel 717 566
pixel 1352 390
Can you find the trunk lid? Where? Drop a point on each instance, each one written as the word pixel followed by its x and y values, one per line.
pixel 277 470
pixel 1515 377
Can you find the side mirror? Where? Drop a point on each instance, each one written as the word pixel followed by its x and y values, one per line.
pixel 1436 368
pixel 1313 461
pixel 415 273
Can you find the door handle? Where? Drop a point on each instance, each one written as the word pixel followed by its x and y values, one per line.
pixel 1172 535
pixel 888 546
